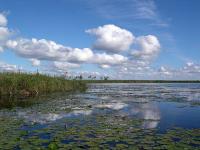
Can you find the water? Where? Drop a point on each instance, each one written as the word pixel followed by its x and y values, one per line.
pixel 106 116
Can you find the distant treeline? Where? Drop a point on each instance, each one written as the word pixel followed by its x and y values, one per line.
pixel 24 84
pixel 142 81
pixel 27 84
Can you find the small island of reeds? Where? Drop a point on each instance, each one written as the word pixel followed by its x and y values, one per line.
pixel 27 85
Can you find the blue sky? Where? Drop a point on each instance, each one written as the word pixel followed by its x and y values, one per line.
pixel 128 39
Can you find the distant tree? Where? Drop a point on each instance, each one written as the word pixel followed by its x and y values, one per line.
pixel 66 74
pixel 76 77
pixel 106 78
pixel 89 77
pixel 37 73
pixel 80 77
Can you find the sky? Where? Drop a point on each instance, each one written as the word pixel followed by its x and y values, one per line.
pixel 121 39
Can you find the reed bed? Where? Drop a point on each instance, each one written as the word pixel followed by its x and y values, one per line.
pixel 24 84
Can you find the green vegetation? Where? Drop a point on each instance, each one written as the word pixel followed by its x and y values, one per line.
pixel 26 85
pixel 62 122
pixel 106 133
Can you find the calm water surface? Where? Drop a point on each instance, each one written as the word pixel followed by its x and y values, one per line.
pixel 62 120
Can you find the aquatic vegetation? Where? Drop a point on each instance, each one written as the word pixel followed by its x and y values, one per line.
pixel 25 85
pixel 10 133
pixel 96 132
pixel 102 119
pixel 146 92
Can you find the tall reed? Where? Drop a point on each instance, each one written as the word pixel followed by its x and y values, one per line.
pixel 34 84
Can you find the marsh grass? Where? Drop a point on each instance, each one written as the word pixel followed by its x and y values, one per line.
pixel 24 84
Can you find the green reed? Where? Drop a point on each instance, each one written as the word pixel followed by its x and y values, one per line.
pixel 24 84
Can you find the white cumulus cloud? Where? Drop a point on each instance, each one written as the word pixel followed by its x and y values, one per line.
pixel 3 20
pixel 39 49
pixel 104 66
pixel 4 67
pixel 4 31
pixel 35 62
pixel 111 38
pixel 113 59
pixel 191 68
pixel 48 50
pixel 64 66
pixel 149 47
pixel 80 55
pixel 163 70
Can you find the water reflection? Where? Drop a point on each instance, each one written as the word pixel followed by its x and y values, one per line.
pixel 37 117
pixel 149 112
pixel 115 101
pixel 114 106
pixel 150 124
pixel 149 92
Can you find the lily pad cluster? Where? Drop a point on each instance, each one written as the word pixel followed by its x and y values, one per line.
pixel 94 132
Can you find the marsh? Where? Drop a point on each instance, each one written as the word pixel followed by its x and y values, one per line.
pixel 107 116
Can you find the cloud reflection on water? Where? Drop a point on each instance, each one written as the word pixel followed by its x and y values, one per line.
pixel 42 118
pixel 114 106
pixel 147 111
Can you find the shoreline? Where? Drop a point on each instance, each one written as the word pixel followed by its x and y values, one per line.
pixel 24 85
pixel 142 81
pixel 32 85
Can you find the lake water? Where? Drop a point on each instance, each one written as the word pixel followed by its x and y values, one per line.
pixel 106 116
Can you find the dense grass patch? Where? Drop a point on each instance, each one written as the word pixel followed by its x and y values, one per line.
pixel 23 84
